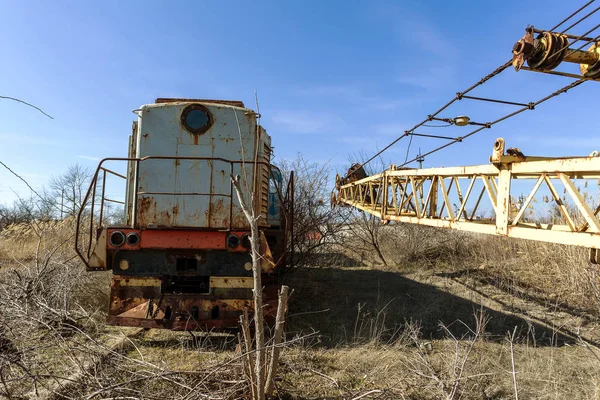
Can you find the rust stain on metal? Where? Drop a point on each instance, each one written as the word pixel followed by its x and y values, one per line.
pixel 239 221
pixel 231 282
pixel 134 281
pixel 522 49
pixel 220 212
pixel 147 211
pixel 235 103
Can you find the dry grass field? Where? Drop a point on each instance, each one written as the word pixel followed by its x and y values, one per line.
pixel 450 316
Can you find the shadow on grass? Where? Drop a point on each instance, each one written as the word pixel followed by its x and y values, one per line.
pixel 516 288
pixel 327 300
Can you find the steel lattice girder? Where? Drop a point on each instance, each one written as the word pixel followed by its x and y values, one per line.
pixel 435 197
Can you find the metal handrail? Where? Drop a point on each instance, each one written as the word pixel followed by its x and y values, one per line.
pixel 93 188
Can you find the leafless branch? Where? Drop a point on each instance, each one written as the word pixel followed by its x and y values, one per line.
pixel 28 104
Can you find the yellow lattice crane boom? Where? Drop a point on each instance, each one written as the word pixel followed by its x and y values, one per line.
pixel 478 198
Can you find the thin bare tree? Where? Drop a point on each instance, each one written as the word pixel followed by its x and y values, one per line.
pixel 68 189
pixel 252 218
pixel 27 104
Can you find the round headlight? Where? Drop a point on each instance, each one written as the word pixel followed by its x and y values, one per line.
pixel 117 238
pixel 196 119
pixel 233 241
pixel 133 238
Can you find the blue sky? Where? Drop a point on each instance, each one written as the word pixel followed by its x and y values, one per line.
pixel 334 78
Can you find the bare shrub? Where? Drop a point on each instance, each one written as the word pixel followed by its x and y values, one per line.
pixel 448 373
pixel 47 296
pixel 54 344
pixel 371 327
pixel 316 224
pixel 408 244
pixel 365 236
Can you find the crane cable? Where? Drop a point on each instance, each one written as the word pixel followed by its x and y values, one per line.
pixel 494 73
pixel 572 15
pixel 431 116
pixel 531 106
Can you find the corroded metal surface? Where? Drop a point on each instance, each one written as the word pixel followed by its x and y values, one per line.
pixel 549 49
pixel 140 302
pixel 201 174
pixel 522 49
pixel 235 103
pixel 591 66
pixel 182 260
pixel 179 239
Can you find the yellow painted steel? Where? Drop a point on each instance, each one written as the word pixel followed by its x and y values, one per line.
pixel 136 281
pixel 433 197
pixel 231 282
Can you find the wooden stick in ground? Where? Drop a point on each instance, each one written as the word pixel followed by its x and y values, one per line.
pixel 512 360
pixel 246 360
pixel 257 290
pixel 277 339
pixel 247 351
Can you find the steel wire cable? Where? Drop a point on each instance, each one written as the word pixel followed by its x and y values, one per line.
pixel 579 21
pixel 494 73
pixel 490 124
pixel 572 15
pixel 574 84
pixel 431 116
pixel 554 94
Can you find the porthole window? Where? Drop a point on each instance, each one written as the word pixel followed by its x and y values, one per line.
pixel 196 119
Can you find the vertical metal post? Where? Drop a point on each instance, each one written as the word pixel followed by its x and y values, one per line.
pixel 503 202
pixel 384 198
pixel 433 205
pixel 102 199
pixel 231 197
pixel 135 193
pixel 89 250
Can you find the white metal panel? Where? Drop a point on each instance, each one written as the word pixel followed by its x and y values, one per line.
pixel 193 201
pixel 231 137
